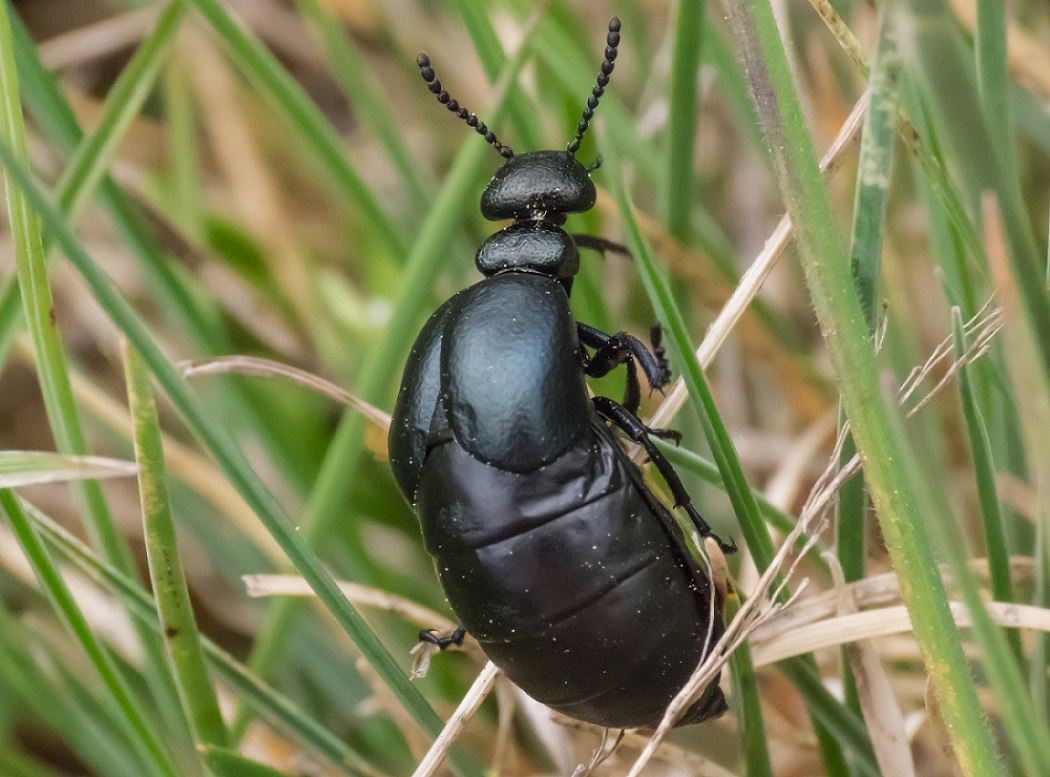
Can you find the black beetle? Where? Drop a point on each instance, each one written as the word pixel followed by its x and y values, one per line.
pixel 555 555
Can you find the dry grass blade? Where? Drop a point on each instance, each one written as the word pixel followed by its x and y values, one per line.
pixel 254 366
pixel 882 622
pixel 878 702
pixel 873 591
pixel 757 273
pixel 601 753
pixel 980 330
pixel 98 40
pixel 27 468
pixel 458 722
pixel 293 585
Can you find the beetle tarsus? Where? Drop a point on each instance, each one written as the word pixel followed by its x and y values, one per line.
pixel 632 426
pixel 455 638
pixel 655 338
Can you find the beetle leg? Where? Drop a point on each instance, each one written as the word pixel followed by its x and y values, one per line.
pixel 633 427
pixel 655 337
pixel 601 245
pixel 610 351
pixel 455 638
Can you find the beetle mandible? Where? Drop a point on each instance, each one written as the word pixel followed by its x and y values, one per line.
pixel 554 554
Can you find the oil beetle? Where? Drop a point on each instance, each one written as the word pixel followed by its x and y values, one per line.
pixel 555 555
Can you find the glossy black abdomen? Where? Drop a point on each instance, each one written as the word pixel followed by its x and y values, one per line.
pixel 590 604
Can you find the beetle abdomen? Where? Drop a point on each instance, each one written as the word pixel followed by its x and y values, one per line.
pixel 570 580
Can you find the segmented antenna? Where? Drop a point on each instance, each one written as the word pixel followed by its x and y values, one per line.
pixel 446 99
pixel 612 41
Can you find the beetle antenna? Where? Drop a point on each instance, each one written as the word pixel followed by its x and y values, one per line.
pixel 612 42
pixel 453 105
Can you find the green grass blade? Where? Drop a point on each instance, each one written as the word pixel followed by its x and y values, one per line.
pixel 178 293
pixel 227 763
pixel 737 489
pixel 39 313
pixel 747 703
pixel 260 66
pixel 683 104
pixel 945 67
pixel 875 430
pixel 984 474
pixel 91 160
pixel 994 83
pixel 273 706
pixel 144 738
pixel 188 205
pixel 476 19
pixel 874 176
pixel 1031 741
pixel 174 608
pixel 14 764
pixel 359 85
pixel 670 316
pixel 229 457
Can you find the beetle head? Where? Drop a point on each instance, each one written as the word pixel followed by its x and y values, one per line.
pixel 539 185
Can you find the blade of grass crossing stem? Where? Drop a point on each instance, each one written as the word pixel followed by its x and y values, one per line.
pixel 681 126
pixel 135 83
pixel 263 69
pixel 187 201
pixel 231 460
pixel 142 736
pixel 353 73
pixel 56 119
pixel 873 184
pixel 52 368
pixel 274 707
pixel 876 430
pixel 748 704
pixel 43 696
pixel 344 455
pixel 935 172
pixel 994 83
pixel 872 194
pixel 984 475
pixel 174 609
pixel 1001 656
pixel 667 312
pixel 944 65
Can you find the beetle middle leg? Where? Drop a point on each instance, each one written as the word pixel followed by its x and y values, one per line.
pixel 610 351
pixel 632 426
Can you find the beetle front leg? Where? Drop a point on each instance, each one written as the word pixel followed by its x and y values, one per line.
pixel 632 426
pixel 610 351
